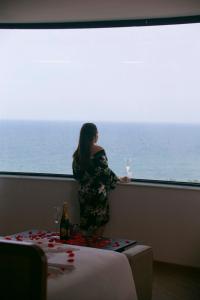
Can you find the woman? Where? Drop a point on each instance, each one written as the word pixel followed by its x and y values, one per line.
pixel 90 169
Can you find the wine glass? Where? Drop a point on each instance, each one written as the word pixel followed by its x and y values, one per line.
pixel 129 172
pixel 56 218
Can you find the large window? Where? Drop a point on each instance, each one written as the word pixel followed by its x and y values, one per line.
pixel 140 85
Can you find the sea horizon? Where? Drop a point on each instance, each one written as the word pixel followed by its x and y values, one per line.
pixel 156 151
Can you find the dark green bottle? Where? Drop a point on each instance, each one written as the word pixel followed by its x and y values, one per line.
pixel 64 223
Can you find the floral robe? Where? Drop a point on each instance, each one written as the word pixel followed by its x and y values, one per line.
pixel 95 183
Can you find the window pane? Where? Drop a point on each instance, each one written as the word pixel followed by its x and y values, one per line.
pixel 138 84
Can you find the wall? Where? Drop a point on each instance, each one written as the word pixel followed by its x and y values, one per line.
pixel 79 10
pixel 165 218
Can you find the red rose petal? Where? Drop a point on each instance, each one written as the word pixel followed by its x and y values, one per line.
pixel 40 232
pixel 71 254
pixel 19 236
pixel 50 245
pixel 7 238
pixel 70 260
pixel 69 251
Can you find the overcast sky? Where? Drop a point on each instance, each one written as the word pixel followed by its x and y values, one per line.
pixel 133 74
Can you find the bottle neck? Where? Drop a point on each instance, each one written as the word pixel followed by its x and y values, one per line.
pixel 65 212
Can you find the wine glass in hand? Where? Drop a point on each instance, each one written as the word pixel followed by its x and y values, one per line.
pixel 129 172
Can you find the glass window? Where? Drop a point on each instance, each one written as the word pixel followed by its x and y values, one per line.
pixel 140 85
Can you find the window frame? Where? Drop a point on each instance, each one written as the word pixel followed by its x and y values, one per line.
pixel 102 24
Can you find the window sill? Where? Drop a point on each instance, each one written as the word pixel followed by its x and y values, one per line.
pixel 134 182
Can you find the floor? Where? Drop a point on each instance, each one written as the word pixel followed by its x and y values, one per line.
pixel 173 282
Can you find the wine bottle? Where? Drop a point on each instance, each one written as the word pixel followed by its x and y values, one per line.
pixel 64 223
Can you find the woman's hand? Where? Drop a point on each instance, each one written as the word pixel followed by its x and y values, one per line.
pixel 124 179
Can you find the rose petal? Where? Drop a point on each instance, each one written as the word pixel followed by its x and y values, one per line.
pixel 71 254
pixel 51 240
pixel 69 251
pixel 19 236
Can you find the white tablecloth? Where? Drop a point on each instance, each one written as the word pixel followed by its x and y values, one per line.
pixel 95 274
pixel 83 273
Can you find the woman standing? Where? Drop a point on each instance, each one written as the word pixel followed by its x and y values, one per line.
pixel 96 179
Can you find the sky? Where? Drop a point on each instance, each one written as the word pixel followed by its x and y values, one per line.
pixel 138 74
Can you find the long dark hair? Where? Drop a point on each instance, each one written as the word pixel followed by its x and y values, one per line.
pixel 83 152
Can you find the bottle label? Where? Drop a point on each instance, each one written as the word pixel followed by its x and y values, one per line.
pixel 64 231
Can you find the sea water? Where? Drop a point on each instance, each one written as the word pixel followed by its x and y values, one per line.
pixel 156 151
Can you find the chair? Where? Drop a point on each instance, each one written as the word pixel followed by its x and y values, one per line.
pixel 23 271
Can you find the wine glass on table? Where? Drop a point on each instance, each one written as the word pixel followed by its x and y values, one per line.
pixel 56 219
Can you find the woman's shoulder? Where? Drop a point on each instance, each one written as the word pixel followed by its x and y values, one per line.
pixel 96 150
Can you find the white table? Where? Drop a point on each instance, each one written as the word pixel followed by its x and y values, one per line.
pixel 97 275
pixel 83 273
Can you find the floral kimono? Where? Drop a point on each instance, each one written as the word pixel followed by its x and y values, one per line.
pixel 95 183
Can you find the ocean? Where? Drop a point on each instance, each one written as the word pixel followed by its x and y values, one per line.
pixel 155 151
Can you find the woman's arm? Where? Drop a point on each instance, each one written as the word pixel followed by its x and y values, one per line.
pixel 107 171
pixel 106 175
